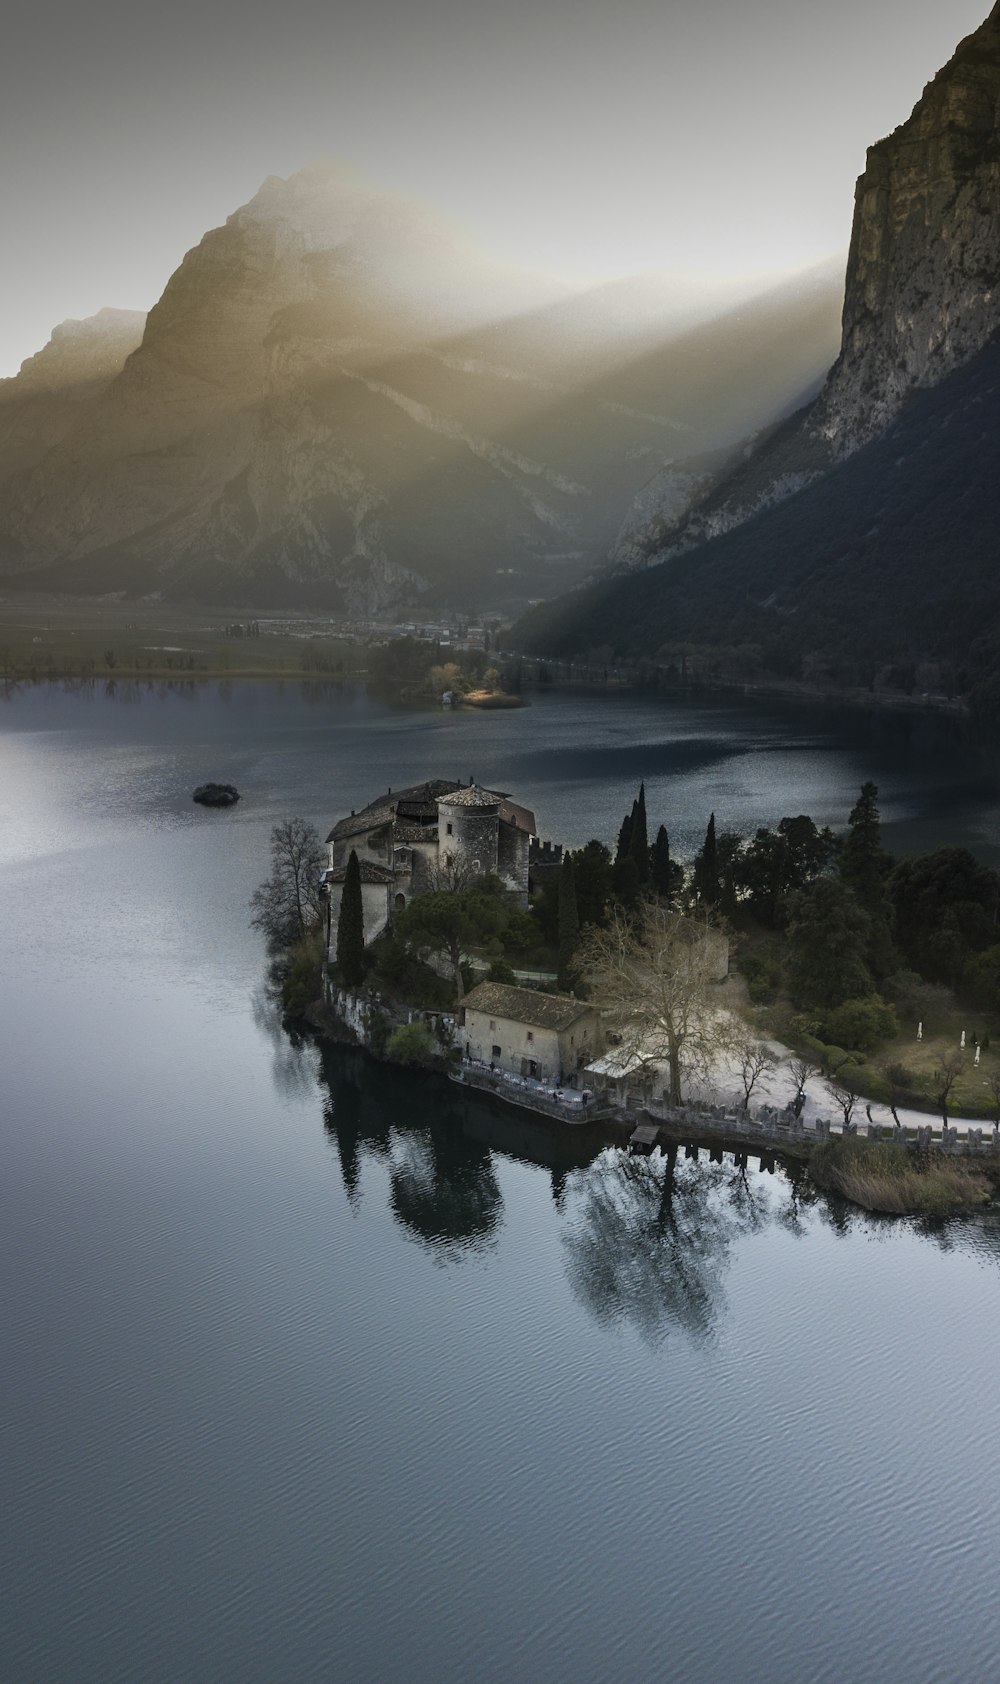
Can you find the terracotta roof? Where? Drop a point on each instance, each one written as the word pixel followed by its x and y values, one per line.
pixel 417 809
pixel 383 808
pixel 472 795
pixel 370 873
pixel 525 1005
pixel 414 832
pixel 523 817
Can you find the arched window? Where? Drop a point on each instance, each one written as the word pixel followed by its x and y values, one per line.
pixel 399 902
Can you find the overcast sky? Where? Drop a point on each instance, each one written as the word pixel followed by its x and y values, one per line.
pixel 588 137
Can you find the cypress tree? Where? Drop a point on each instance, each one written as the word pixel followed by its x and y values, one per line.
pixel 625 836
pixel 625 885
pixel 864 867
pixel 863 861
pixel 706 868
pixel 569 922
pixel 351 927
pixel 638 844
pixel 661 868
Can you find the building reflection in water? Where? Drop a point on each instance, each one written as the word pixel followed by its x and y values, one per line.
pixel 439 1146
pixel 647 1241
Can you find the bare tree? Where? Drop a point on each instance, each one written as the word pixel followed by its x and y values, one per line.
pixel 945 1076
pixel 654 977
pixel 802 1071
pixel 449 875
pixel 755 1058
pixel 843 1097
pixel 288 903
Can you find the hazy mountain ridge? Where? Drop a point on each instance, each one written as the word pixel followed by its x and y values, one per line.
pixel 921 298
pixel 42 403
pixel 334 402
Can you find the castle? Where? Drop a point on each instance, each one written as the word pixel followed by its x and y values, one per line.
pixel 434 835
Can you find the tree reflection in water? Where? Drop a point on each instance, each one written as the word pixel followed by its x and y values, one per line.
pixel 294 1058
pixel 443 1187
pixel 648 1239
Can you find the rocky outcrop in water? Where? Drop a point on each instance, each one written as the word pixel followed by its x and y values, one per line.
pixel 216 795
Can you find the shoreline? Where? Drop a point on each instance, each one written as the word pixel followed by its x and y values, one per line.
pixel 716 1129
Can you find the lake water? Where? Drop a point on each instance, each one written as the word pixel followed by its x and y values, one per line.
pixel 313 1371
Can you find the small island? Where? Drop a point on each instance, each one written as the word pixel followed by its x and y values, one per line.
pixel 216 795
pixel 766 997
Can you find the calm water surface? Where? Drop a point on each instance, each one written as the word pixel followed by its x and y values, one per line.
pixel 313 1372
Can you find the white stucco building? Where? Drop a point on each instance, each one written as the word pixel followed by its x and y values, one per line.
pixel 545 1037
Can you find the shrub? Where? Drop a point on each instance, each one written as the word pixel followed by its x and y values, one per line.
pixel 900 1075
pixel 500 971
pixel 377 1031
pixel 762 975
pixel 915 998
pixel 884 1176
pixel 860 1024
pixel 411 1043
pixel 301 983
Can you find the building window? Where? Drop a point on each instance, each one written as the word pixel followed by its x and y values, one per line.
pixel 530 1035
pixel 496 1052
pixel 492 1023
pixel 447 829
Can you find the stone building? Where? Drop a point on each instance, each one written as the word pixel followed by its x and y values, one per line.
pixel 438 834
pixel 546 1037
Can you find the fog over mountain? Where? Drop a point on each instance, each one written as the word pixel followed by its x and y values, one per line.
pixel 337 402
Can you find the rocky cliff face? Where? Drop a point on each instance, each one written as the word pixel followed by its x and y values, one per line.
pixel 334 402
pixel 923 275
pixel 922 297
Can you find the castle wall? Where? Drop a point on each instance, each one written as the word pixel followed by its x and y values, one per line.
pixel 425 866
pixel 512 859
pixel 472 843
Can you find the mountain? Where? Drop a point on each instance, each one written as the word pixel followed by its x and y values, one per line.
pixel 858 536
pixel 335 402
pixel 45 401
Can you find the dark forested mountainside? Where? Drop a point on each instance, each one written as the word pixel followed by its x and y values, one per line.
pixel 888 565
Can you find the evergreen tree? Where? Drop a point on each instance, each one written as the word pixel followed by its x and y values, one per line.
pixel 625 836
pixel 592 876
pixel 865 867
pixel 351 927
pixel 661 865
pixel 625 883
pixel 638 842
pixel 706 868
pixel 569 922
pixel 727 894
pixel 864 864
pixel 829 936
